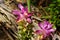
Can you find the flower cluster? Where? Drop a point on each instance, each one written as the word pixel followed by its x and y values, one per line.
pixel 22 14
pixel 43 29
pixel 46 28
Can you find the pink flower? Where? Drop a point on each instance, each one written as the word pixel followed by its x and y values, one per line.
pixel 22 14
pixel 46 28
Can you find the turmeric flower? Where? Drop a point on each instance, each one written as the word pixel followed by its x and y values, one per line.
pixel 22 14
pixel 46 28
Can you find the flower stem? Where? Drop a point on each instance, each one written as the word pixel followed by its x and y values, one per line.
pixel 28 3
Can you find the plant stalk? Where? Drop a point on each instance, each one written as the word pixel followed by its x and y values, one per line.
pixel 28 4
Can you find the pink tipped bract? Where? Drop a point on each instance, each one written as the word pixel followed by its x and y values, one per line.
pixel 22 14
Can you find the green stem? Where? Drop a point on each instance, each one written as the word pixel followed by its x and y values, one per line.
pixel 28 3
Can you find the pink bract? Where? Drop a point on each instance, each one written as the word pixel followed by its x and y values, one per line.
pixel 46 28
pixel 22 13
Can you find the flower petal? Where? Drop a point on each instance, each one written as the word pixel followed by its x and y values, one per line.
pixel 29 20
pixel 38 31
pixel 29 14
pixel 26 9
pixel 45 23
pixel 16 12
pixel 41 25
pixel 49 26
pixel 20 6
pixel 51 30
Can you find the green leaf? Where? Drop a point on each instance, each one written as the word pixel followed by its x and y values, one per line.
pixel 52 5
pixel 59 4
pixel 58 0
